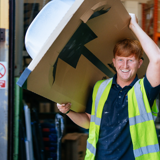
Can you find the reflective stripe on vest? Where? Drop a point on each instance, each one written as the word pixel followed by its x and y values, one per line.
pixel 144 116
pixel 96 114
pixel 100 91
pixel 146 150
pixel 141 120
pixel 91 148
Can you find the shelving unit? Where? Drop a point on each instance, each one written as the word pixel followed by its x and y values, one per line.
pixel 151 19
pixel 147 18
pixel 156 33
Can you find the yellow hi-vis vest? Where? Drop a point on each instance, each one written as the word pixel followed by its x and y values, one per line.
pixel 141 121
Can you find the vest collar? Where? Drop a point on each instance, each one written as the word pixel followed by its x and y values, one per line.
pixel 131 85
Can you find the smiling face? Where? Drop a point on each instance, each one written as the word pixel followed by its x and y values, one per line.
pixel 126 68
pixel 127 55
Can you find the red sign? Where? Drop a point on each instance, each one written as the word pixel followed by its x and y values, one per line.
pixel 2 84
pixel 3 75
pixel 2 70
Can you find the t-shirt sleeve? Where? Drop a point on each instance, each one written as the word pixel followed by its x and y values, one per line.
pixel 89 104
pixel 151 92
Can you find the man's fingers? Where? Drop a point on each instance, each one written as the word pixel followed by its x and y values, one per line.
pixel 60 105
pixel 68 105
pixel 133 16
pixel 63 106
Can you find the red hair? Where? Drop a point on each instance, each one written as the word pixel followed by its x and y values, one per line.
pixel 127 47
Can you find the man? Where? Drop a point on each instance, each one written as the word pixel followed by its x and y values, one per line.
pixel 118 115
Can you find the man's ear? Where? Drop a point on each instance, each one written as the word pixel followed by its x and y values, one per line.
pixel 140 63
pixel 113 60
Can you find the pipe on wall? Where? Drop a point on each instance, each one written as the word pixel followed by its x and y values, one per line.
pixel 11 78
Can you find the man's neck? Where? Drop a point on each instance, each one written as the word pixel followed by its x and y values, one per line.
pixel 123 83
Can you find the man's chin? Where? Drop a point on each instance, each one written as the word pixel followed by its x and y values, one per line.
pixel 126 78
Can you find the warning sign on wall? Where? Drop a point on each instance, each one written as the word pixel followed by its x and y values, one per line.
pixel 3 75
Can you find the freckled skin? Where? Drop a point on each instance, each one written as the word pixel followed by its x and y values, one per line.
pixel 126 68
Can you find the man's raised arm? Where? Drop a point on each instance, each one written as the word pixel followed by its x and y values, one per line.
pixel 151 50
pixel 81 119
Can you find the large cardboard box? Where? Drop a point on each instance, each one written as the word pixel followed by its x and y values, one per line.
pixel 75 146
pixel 72 48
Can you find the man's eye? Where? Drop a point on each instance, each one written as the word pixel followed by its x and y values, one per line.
pixel 131 60
pixel 120 59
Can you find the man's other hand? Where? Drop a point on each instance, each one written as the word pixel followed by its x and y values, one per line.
pixel 64 108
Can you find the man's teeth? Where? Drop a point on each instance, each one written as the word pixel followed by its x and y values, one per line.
pixel 125 71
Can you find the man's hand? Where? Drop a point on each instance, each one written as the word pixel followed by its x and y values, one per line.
pixel 64 108
pixel 81 119
pixel 133 20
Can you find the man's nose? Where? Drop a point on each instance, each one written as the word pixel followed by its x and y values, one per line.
pixel 125 64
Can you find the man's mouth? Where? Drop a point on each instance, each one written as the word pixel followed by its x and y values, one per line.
pixel 125 71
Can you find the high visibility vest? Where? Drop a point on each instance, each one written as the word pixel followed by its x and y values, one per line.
pixel 141 121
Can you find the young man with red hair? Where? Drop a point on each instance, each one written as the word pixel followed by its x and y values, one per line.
pixel 121 111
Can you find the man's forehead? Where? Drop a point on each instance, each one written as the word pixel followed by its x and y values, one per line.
pixel 128 57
